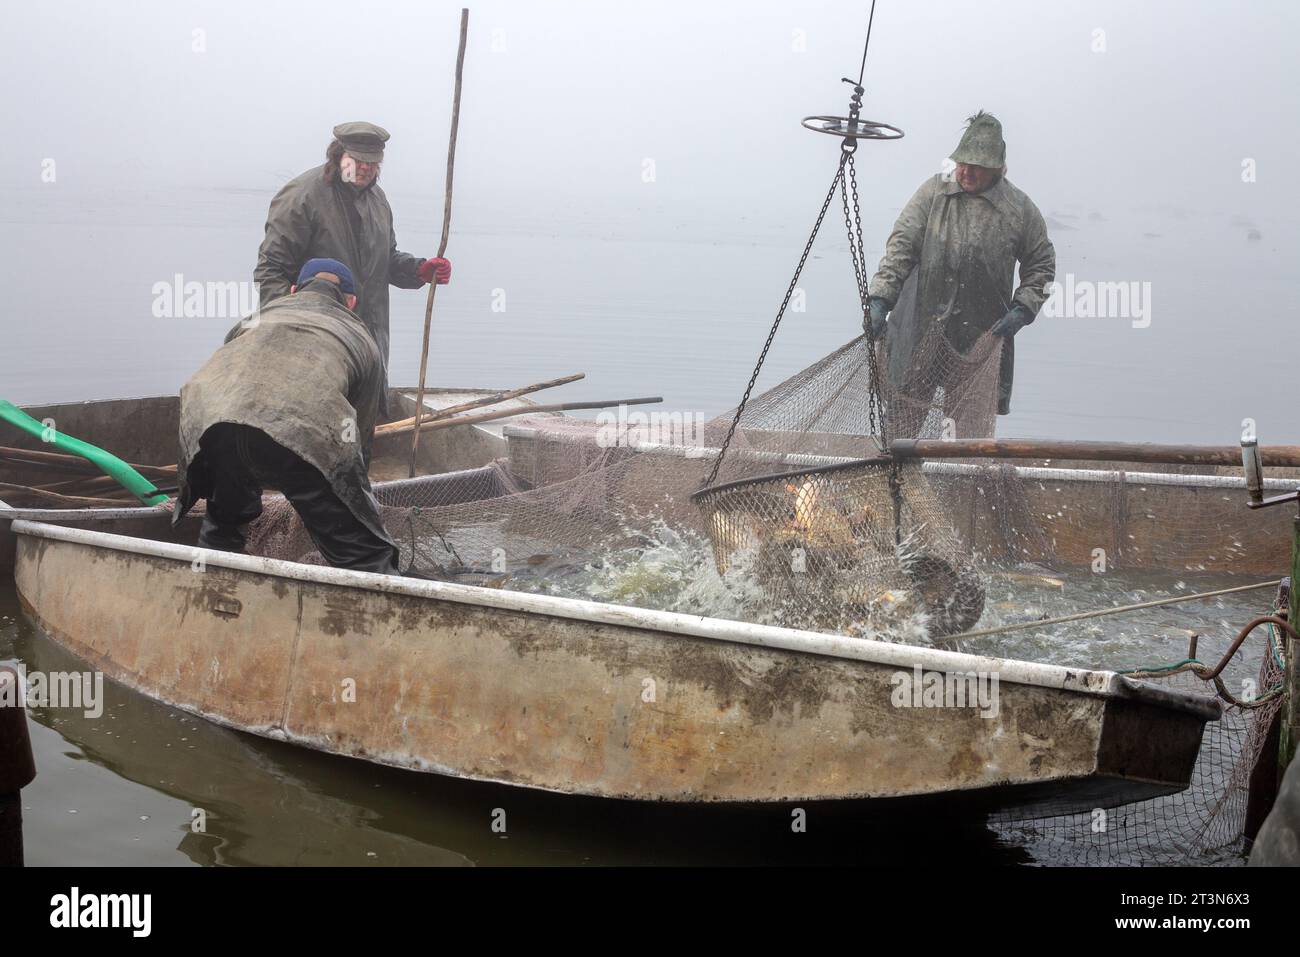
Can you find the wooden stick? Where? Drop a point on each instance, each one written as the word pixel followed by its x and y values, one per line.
pixel 509 413
pixel 446 227
pixel 56 499
pixel 486 400
pixel 1274 455
pixel 85 485
pixel 75 463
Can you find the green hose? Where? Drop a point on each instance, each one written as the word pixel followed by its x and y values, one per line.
pixel 106 462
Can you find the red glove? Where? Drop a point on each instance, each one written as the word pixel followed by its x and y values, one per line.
pixel 439 269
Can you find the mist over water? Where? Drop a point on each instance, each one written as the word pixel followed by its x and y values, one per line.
pixel 635 187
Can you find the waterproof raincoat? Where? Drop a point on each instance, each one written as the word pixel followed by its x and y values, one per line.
pixel 949 265
pixel 306 372
pixel 311 218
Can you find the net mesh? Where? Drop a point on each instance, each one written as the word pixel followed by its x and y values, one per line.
pixel 1203 825
pixel 798 530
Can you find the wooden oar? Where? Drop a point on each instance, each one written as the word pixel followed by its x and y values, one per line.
pixel 1274 455
pixel 446 226
pixel 485 400
pixel 510 413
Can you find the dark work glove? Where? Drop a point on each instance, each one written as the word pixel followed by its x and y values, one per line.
pixel 1016 319
pixel 877 313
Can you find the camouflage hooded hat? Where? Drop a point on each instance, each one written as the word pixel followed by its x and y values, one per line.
pixel 982 143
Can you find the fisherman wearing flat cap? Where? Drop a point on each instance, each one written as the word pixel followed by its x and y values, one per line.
pixel 289 402
pixel 950 262
pixel 338 211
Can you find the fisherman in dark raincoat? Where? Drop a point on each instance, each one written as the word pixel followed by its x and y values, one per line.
pixel 289 401
pixel 950 262
pixel 337 211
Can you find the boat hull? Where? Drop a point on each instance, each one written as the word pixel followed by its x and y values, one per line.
pixel 582 698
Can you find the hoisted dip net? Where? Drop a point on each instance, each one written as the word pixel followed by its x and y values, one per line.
pixel 853 540
pixel 848 548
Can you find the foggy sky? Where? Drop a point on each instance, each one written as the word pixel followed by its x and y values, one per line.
pixel 561 115
pixel 167 156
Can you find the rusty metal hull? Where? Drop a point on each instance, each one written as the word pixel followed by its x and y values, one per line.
pixel 583 698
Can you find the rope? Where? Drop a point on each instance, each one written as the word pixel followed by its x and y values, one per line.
pixel 1099 612
pixel 1196 667
pixel 853 223
pixel 1199 668
pixel 1275 647
pixel 863 69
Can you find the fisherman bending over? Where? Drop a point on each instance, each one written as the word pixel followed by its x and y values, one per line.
pixel 289 401
pixel 955 246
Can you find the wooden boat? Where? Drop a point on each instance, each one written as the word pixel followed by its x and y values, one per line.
pixel 583 698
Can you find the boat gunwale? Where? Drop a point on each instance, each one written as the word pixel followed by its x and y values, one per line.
pixel 807 461
pixel 1016 671
pixel 14 513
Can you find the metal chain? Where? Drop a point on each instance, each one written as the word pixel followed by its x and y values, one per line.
pixel 780 313
pixel 857 252
pixel 876 420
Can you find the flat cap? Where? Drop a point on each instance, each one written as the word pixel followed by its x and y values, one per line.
pixel 365 141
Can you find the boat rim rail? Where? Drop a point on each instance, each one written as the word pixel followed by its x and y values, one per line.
pixel 814 461
pixel 1098 683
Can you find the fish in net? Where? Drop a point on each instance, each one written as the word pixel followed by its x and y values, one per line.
pixel 842 540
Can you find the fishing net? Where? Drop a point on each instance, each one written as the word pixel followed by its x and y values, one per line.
pixel 589 509
pixel 1203 825
pixel 788 511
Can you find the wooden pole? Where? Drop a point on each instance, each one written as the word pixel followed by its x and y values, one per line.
pixel 54 498
pixel 485 400
pixel 446 228
pixel 75 463
pixel 1274 455
pixel 530 410
pixel 1290 731
pixel 17 767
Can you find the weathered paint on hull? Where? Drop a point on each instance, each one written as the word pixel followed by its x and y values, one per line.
pixel 552 693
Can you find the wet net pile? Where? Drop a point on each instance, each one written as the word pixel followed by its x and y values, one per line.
pixel 1203 825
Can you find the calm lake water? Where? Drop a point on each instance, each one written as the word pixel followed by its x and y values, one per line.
pixel 678 309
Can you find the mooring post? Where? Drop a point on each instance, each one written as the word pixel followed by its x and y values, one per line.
pixel 1290 735
pixel 17 766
